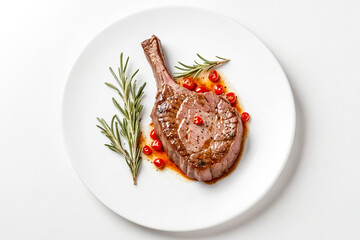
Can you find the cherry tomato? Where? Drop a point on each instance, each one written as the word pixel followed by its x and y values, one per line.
pixel 218 89
pixel 189 83
pixel 153 134
pixel 147 150
pixel 198 120
pixel 156 145
pixel 159 163
pixel 245 117
pixel 214 76
pixel 231 97
pixel 201 89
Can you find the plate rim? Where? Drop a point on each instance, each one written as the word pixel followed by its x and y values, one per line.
pixel 214 12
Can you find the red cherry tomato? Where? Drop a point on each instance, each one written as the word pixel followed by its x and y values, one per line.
pixel 201 89
pixel 147 150
pixel 231 97
pixel 218 89
pixel 156 145
pixel 153 134
pixel 189 83
pixel 214 76
pixel 159 163
pixel 245 117
pixel 198 120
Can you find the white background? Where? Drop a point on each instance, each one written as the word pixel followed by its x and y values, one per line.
pixel 318 194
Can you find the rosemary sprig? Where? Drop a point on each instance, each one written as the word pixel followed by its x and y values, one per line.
pixel 197 68
pixel 129 127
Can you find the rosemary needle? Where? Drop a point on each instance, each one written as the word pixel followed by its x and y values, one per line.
pixel 128 127
pixel 197 68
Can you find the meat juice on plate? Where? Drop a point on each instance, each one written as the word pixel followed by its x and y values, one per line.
pixel 145 140
pixel 202 80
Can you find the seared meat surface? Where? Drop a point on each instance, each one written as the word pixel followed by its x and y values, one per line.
pixel 204 151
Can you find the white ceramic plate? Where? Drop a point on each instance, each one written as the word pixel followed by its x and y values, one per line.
pixel 162 199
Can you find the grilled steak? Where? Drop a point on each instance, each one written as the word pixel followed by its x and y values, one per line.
pixel 202 152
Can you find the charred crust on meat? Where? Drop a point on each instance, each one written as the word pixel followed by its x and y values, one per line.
pixel 202 152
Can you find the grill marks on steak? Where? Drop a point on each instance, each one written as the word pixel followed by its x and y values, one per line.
pixel 202 152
